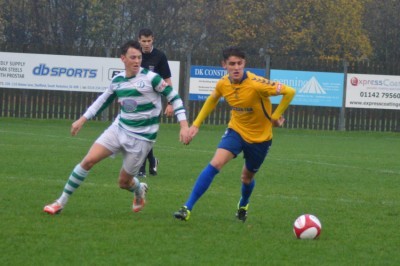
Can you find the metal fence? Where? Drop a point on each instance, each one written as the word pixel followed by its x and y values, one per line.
pixel 40 104
pixel 45 104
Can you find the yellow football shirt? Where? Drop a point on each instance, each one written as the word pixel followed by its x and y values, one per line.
pixel 251 108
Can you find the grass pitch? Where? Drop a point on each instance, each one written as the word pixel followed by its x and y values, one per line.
pixel 349 180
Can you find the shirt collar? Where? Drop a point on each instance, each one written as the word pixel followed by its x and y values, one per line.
pixel 243 78
pixel 151 50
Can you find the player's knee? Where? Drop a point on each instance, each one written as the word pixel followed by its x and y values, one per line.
pixel 217 164
pixel 87 164
pixel 124 184
pixel 125 180
pixel 246 179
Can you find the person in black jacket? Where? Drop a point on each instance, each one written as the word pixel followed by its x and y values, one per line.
pixel 156 61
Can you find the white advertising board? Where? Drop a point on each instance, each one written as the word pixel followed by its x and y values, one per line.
pixel 62 72
pixel 373 91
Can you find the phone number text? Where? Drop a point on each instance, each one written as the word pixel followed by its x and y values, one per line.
pixel 385 95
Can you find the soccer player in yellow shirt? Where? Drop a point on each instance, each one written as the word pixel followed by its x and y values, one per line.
pixel 249 129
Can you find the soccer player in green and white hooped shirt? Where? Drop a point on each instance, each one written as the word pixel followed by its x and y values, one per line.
pixel 134 130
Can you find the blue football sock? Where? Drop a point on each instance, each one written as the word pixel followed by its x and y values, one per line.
pixel 203 182
pixel 246 193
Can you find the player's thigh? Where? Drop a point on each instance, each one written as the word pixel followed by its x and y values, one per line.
pixel 134 154
pixel 105 145
pixel 111 139
pixel 221 157
pixel 254 155
pixel 229 147
pixel 96 153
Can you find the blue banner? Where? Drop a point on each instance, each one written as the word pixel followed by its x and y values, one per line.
pixel 204 78
pixel 312 88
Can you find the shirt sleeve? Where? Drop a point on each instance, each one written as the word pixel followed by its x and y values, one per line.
pixel 101 103
pixel 164 70
pixel 208 106
pixel 288 95
pixel 172 96
pixel 269 88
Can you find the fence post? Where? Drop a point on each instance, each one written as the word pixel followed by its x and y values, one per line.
pixel 104 115
pixel 267 66
pixel 186 81
pixel 342 118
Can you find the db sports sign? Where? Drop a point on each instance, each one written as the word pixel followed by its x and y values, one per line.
pixel 61 72
pixel 57 72
pixel 43 70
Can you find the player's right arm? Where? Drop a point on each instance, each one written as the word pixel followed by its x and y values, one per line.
pixel 77 125
pixel 105 99
pixel 207 108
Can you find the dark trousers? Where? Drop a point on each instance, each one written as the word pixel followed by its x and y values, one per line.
pixel 152 161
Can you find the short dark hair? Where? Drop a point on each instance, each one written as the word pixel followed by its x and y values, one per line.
pixel 129 44
pixel 233 51
pixel 145 32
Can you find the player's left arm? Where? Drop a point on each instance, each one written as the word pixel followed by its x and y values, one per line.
pixel 161 86
pixel 169 110
pixel 288 94
pixel 173 97
pixel 268 88
pixel 165 72
pixel 178 108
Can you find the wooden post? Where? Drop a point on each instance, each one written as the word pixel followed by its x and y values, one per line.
pixel 342 117
pixel 186 81
pixel 267 66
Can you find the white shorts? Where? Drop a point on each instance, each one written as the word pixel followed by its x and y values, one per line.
pixel 134 151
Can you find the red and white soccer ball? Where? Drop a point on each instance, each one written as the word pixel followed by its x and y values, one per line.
pixel 307 226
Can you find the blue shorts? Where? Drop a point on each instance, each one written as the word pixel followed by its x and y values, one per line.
pixel 254 153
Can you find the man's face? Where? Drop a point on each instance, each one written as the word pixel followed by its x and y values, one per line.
pixel 235 67
pixel 132 60
pixel 146 42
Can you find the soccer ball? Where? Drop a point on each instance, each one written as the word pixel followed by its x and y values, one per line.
pixel 307 226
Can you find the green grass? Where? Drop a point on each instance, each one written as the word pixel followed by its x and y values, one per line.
pixel 349 180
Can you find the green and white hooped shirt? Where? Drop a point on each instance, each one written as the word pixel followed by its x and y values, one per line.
pixel 140 101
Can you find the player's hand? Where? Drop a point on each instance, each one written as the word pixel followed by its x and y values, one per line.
pixel 184 133
pixel 184 136
pixel 77 125
pixel 279 122
pixel 169 110
pixel 193 130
